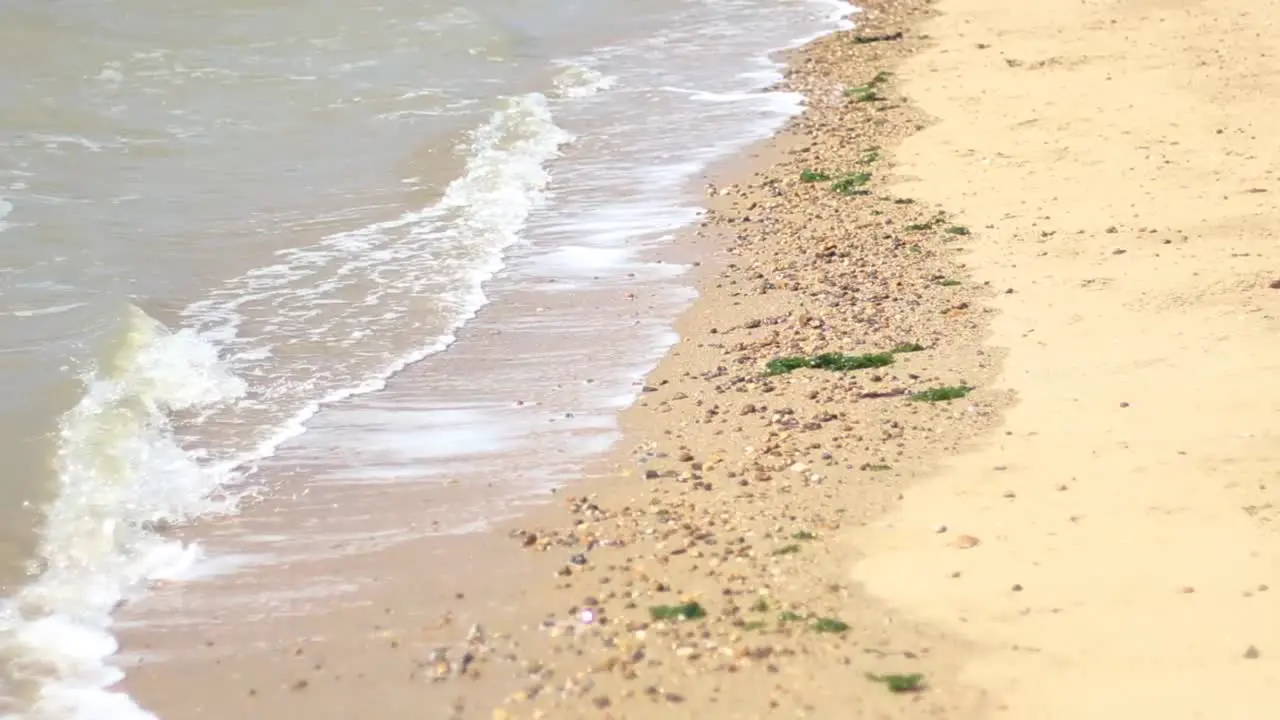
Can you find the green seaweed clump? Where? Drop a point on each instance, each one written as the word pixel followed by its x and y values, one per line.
pixel 851 184
pixel 683 611
pixel 829 361
pixel 830 625
pixel 942 394
pixel 899 683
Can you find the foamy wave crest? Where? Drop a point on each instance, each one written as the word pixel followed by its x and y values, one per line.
pixel 6 207
pixel 379 275
pixel 123 474
pixel 578 81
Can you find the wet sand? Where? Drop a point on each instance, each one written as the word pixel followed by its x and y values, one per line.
pixel 1065 213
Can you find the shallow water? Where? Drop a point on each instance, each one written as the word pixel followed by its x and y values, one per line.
pixel 218 221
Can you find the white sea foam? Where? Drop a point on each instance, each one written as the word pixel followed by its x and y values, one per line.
pixel 580 81
pixel 50 310
pixel 447 250
pixel 56 142
pixel 6 208
pixel 123 471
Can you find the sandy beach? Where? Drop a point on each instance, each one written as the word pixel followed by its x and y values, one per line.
pixel 972 419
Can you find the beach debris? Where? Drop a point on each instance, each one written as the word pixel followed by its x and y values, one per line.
pixel 884 37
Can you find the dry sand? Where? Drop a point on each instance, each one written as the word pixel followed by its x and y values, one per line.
pixel 1117 162
pixel 1085 534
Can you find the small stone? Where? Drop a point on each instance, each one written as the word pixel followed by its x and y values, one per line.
pixel 940 529
pixel 964 542
pixel 1275 285
pixel 1124 404
pixel 1017 587
pixel 1252 653
pixel 1187 590
pixel 685 456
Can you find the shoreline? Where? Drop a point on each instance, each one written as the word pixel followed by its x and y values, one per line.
pixel 1094 203
pixel 1077 523
pixel 792 445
